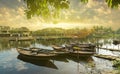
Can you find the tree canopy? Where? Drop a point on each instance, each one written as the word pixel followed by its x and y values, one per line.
pixel 45 8
pixel 52 8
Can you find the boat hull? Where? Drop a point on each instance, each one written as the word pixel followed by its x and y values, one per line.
pixel 37 55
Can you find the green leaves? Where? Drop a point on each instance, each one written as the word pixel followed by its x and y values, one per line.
pixel 113 3
pixel 51 8
pixel 45 8
pixel 116 63
pixel 84 1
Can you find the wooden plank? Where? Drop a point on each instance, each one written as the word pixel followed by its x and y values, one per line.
pixel 109 57
pixel 110 49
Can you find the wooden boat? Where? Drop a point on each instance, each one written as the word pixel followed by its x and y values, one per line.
pixel 39 62
pixel 81 53
pixel 36 52
pixel 59 48
pixel 75 52
pixel 84 49
pixel 82 45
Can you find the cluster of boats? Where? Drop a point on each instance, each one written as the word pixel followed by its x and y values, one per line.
pixel 73 49
pixel 50 62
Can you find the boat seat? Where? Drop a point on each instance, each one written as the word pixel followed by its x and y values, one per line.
pixel 44 51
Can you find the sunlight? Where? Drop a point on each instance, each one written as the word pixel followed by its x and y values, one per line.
pixel 68 25
pixel 60 25
pixel 60 36
pixel 40 25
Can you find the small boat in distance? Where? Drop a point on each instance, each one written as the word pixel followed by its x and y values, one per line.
pixel 74 47
pixel 116 42
pixel 36 52
pixel 74 50
pixel 59 48
pixel 58 51
pixel 81 53
pixel 83 45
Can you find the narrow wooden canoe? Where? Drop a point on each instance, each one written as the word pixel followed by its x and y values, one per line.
pixel 73 52
pixel 69 48
pixel 82 45
pixel 76 53
pixel 34 52
pixel 59 48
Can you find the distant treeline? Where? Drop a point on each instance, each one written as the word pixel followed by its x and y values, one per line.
pixel 62 32
pixel 77 32
pixel 74 32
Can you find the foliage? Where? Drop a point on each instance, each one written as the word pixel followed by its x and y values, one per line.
pixel 84 1
pixel 45 8
pixel 116 63
pixel 101 31
pixel 4 28
pixel 52 8
pixel 19 30
pixel 72 33
pixel 76 48
pixel 113 3
pixel 49 32
pixel 95 32
pixel 118 31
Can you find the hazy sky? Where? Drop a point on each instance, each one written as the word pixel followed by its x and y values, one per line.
pixel 95 12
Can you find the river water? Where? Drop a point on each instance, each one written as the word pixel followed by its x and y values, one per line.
pixel 12 63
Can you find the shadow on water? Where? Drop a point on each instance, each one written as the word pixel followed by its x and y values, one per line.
pixel 69 62
pixel 39 62
pixel 6 44
pixel 49 62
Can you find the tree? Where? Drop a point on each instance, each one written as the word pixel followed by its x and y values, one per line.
pixel 19 30
pixel 113 3
pixel 45 8
pixel 52 8
pixel 118 31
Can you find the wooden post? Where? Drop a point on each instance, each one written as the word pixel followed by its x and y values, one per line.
pixel 78 67
pixel 113 46
pixel 118 46
pixel 78 54
pixel 97 46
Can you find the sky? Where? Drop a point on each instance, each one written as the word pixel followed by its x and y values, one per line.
pixel 79 15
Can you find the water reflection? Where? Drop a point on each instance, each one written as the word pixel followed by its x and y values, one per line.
pixel 59 65
pixel 50 62
pixel 6 44
pixel 38 62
